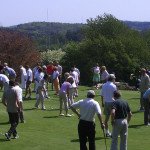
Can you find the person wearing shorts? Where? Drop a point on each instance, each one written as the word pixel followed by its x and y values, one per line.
pixel 107 91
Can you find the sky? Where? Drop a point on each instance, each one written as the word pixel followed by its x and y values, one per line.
pixel 14 12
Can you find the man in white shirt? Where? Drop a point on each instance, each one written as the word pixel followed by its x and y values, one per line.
pixel 107 93
pixel 29 81
pixel 19 94
pixel 86 127
pixel 23 77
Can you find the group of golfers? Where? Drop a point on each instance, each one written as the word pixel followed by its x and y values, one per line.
pixel 115 109
pixel 114 106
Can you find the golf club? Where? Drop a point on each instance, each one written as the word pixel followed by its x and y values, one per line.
pixel 105 139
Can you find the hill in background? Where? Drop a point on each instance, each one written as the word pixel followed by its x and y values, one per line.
pixel 50 35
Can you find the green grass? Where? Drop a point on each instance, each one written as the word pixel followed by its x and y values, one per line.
pixel 44 130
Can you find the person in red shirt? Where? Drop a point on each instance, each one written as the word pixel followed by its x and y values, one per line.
pixel 50 70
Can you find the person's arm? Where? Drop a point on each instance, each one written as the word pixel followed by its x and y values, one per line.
pixel 101 121
pixel 129 116
pixel 21 106
pixel 113 116
pixel 75 111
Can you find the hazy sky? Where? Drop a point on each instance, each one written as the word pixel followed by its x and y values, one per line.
pixel 13 12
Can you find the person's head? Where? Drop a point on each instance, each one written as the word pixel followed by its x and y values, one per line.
pixel 56 63
pixel 12 83
pixel 27 67
pixel 111 77
pixel 5 64
pixel 70 80
pixel 66 75
pixel 44 67
pixel 55 68
pixel 117 94
pixel 90 94
pixel 103 68
pixel 143 71
pixel 72 69
pixel 40 69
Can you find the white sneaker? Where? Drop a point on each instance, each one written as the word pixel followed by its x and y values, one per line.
pixel 61 114
pixel 68 115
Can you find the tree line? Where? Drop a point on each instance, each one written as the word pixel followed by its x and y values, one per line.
pixel 104 40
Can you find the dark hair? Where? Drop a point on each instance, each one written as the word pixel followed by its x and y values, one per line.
pixel 90 96
pixel 117 94
pixel 12 83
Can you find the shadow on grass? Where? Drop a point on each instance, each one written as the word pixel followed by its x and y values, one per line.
pixel 137 111
pixel 4 123
pixel 133 98
pixel 136 126
pixel 55 109
pixel 29 99
pixel 96 139
pixel 3 140
pixel 51 117
pixel 29 109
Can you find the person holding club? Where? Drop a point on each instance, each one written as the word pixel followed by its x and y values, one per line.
pixel 86 127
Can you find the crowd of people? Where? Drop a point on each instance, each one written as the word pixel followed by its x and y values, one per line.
pixel 66 88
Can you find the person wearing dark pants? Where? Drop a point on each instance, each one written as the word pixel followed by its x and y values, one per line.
pixel 10 100
pixel 86 127
pixel 14 120
pixel 86 130
pixel 146 101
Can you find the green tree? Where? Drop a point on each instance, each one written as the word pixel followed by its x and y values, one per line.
pixel 108 42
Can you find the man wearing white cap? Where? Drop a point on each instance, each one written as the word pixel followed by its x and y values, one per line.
pixel 86 127
pixel 107 93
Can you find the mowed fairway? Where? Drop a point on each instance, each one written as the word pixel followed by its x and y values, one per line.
pixel 45 130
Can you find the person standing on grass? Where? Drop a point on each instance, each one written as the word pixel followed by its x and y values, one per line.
pixel 50 70
pixel 37 78
pixel 29 81
pixel 41 90
pixel 63 96
pixel 86 127
pixel 60 69
pixel 120 118
pixel 104 74
pixel 10 100
pixel 56 80
pixel 75 76
pixel 71 88
pixel 10 72
pixel 146 102
pixel 23 74
pixel 144 85
pixel 19 95
pixel 96 75
pixel 107 98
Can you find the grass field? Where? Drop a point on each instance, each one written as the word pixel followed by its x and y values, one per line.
pixel 45 130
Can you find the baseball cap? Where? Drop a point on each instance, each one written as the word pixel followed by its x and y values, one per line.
pixel 90 92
